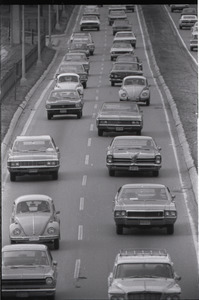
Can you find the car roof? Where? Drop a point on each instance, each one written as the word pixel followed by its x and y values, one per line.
pixel 33 197
pixel 33 137
pixel 135 76
pixel 122 32
pixel 143 185
pixel 65 90
pixel 19 247
pixel 130 137
pixel 68 74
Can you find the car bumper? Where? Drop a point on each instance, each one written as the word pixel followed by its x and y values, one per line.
pixel 129 222
pixel 138 99
pixel 23 293
pixel 64 111
pixel 35 240
pixel 90 26
pixel 189 25
pixel 120 128
pixel 33 170
pixel 133 167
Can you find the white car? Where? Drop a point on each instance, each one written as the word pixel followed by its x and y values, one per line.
pixel 69 81
pixel 123 36
pixel 187 21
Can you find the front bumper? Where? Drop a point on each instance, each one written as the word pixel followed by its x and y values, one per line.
pixel 64 111
pixel 22 292
pixel 120 128
pixel 33 170
pixel 35 240
pixel 133 167
pixel 149 222
pixel 137 99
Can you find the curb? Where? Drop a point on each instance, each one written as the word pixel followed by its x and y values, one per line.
pixel 180 131
pixel 6 141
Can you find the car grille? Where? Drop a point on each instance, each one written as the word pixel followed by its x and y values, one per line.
pixel 90 24
pixel 63 106
pixel 117 122
pixel 129 160
pixel 33 163
pixel 144 296
pixel 121 52
pixel 22 283
pixel 145 214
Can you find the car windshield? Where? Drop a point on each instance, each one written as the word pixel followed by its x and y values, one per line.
pixel 119 107
pixel 78 46
pixel 117 12
pixel 24 258
pixel 122 45
pixel 74 57
pixel 63 95
pixel 89 17
pixel 33 206
pixel 124 34
pixel 134 81
pixel 71 68
pixel 68 78
pixel 144 270
pixel 134 143
pixel 143 194
pixel 124 67
pixel 33 146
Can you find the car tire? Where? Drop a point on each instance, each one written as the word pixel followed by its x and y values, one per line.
pixel 119 229
pixel 79 114
pixel 112 83
pixel 12 177
pixel 49 116
pixel 155 173
pixel 100 132
pixel 55 175
pixel 56 244
pixel 191 49
pixel 147 102
pixel 170 229
pixel 84 85
pixel 139 132
pixel 111 172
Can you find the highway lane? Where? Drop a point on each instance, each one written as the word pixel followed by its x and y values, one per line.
pixel 84 191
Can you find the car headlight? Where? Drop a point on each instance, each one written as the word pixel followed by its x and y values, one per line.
pixel 78 104
pixel 51 163
pixel 136 122
pixel 48 106
pixel 170 213
pixel 51 230
pixel 144 93
pixel 109 158
pixel 158 159
pixel 117 297
pixel 120 213
pixel 49 280
pixel 172 297
pixel 14 164
pixel 17 231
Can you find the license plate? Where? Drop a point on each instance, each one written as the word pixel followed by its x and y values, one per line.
pixel 22 294
pixel 34 238
pixel 133 168
pixel 145 222
pixel 119 129
pixel 33 171
pixel 63 111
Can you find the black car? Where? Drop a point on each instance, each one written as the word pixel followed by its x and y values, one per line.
pixel 121 70
pixel 131 58
pixel 121 25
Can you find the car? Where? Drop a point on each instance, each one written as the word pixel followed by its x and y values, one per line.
pixel 194 28
pixel 143 273
pixel 189 11
pixel 88 41
pixel 187 21
pixel 133 154
pixel 119 117
pixel 121 25
pixel 129 58
pixel 194 41
pixel 130 7
pixel 180 7
pixel 135 88
pixel 74 67
pixel 77 47
pixel 64 102
pixel 90 22
pixel 34 220
pixel 91 11
pixel 116 15
pixel 69 81
pixel 28 270
pixel 78 57
pixel 78 34
pixel 120 70
pixel 33 155
pixel 144 205
pixel 126 36
pixel 116 7
pixel 120 48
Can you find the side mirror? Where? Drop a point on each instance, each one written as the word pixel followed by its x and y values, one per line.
pixel 54 263
pixel 173 197
pixel 177 277
pixel 57 149
pixel 159 148
pixel 110 279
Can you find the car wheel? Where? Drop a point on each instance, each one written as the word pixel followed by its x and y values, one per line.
pixel 147 102
pixel 119 229
pixel 84 85
pixel 79 114
pixel 12 177
pixel 100 132
pixel 49 116
pixel 170 229
pixel 112 83
pixel 155 173
pixel 56 244
pixel 55 175
pixel 111 58
pixel 139 132
pixel 111 173
pixel 191 49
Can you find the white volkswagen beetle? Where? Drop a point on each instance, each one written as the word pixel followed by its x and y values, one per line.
pixel 69 81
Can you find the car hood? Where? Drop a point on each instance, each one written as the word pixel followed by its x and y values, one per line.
pixel 63 102
pixel 138 285
pixel 140 153
pixel 119 115
pixel 133 91
pixel 33 224
pixel 33 156
pixel 145 205
pixel 26 272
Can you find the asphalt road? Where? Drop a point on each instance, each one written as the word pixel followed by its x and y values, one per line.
pixel 84 190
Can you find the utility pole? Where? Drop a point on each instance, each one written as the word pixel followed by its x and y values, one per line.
pixel 39 62
pixel 23 68
pixel 49 26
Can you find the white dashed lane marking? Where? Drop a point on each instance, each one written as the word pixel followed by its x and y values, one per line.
pixel 91 127
pixel 86 159
pixel 84 180
pixel 77 268
pixel 89 142
pixel 80 232
pixel 81 203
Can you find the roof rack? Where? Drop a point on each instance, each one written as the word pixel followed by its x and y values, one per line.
pixel 144 252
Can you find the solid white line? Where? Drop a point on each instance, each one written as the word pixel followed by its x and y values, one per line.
pixel 180 36
pixel 87 159
pixel 81 203
pixel 84 179
pixel 91 127
pixel 77 268
pixel 172 142
pixel 89 142
pixel 80 232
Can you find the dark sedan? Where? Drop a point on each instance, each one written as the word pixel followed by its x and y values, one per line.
pixel 121 70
